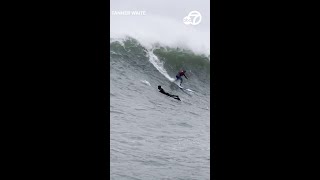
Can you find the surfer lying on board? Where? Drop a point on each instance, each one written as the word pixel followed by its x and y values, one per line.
pixel 180 74
pixel 163 92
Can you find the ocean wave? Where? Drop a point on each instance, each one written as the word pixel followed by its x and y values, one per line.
pixel 165 59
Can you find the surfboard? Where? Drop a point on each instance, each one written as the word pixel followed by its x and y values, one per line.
pixel 186 89
pixel 178 85
pixel 182 88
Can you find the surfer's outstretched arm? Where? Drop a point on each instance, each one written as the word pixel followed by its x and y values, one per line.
pixel 185 76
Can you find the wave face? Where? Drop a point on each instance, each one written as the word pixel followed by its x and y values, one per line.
pixel 153 136
pixel 163 62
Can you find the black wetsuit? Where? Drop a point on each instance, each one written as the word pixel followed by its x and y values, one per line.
pixel 173 96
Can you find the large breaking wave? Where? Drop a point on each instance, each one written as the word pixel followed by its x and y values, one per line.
pixel 161 63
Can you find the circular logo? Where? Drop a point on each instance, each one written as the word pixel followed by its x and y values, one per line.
pixel 193 18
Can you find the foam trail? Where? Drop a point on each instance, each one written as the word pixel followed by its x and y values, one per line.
pixel 158 65
pixel 146 82
pixel 189 90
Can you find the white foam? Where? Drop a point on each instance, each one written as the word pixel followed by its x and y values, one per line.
pixel 158 65
pixel 146 82
pixel 153 29
pixel 190 90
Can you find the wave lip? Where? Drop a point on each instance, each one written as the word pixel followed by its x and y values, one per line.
pixel 167 31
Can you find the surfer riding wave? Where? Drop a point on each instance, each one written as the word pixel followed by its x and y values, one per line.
pixel 179 76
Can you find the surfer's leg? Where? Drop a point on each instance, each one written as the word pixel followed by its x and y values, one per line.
pixel 180 81
pixel 177 78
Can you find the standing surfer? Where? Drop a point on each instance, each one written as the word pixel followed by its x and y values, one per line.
pixel 180 74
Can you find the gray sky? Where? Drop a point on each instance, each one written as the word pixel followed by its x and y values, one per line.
pixel 163 22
